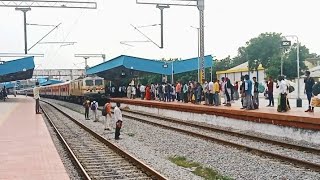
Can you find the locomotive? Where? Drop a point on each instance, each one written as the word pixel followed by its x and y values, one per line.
pixel 92 88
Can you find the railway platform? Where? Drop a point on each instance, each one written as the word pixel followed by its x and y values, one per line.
pixel 27 150
pixel 295 118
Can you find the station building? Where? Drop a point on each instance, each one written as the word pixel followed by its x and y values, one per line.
pixel 235 73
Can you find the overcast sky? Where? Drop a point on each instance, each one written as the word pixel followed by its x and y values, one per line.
pixel 229 24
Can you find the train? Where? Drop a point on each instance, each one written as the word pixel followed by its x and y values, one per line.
pixel 92 88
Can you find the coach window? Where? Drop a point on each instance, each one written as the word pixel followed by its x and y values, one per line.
pixel 89 82
pixel 98 82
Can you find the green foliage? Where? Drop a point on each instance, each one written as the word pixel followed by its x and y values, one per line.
pixel 290 61
pixel 182 161
pixel 199 170
pixel 265 49
pixel 209 174
pixel 148 79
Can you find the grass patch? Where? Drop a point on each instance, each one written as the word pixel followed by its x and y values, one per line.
pixel 197 169
pixel 182 161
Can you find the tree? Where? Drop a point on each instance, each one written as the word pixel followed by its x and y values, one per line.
pixel 266 50
pixel 290 61
pixel 220 65
pixel 263 49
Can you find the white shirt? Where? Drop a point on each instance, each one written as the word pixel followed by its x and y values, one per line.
pixel 223 83
pixel 205 87
pixel 153 89
pixel 210 86
pixel 117 114
pixel 133 90
pixel 36 92
pixel 96 103
pixel 129 89
pixel 173 91
pixel 142 88
pixel 283 87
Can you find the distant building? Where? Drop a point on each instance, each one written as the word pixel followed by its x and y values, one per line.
pixel 235 73
pixel 312 62
pixel 59 74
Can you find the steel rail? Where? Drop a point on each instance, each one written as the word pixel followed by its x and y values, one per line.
pixel 148 170
pixel 297 162
pixel 64 142
pixel 237 134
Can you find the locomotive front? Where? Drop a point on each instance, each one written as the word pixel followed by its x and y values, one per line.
pixel 94 88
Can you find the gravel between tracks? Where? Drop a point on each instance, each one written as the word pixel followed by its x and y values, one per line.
pixel 153 144
pixel 64 156
pixel 310 157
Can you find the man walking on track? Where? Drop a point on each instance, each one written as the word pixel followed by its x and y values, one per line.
pixel 107 108
pixel 36 96
pixel 118 119
pixel 86 105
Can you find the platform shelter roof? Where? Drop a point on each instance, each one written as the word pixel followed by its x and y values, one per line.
pixel 50 82
pixel 8 85
pixel 18 69
pixel 128 64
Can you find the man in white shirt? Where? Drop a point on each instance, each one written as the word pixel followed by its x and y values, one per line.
pixel 142 91
pixel 118 119
pixel 36 96
pixel 223 93
pixel 283 88
pixel 94 106
pixel 211 92
pixel 133 92
pixel 153 91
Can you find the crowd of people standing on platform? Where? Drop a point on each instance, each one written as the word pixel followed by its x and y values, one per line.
pixel 210 93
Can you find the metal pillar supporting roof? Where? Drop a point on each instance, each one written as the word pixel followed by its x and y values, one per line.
pixel 197 3
pixel 49 4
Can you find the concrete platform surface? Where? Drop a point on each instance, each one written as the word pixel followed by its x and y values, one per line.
pixel 26 148
pixel 296 117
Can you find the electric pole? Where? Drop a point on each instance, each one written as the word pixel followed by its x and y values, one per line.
pixel 25 6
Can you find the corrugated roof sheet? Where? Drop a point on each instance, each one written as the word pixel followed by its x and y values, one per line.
pixel 151 66
pixel 18 65
pixel 50 81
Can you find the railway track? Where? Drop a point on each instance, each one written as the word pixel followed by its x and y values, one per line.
pixel 289 153
pixel 96 157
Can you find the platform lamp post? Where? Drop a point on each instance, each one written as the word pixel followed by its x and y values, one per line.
pixel 172 71
pixel 198 29
pixel 256 68
pixel 24 10
pixel 211 69
pixel 299 100
pixel 284 45
pixel 195 3
pixel 165 65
